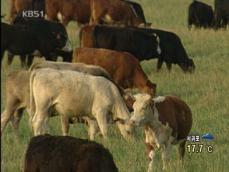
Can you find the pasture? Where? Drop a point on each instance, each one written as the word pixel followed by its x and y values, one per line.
pixel 205 91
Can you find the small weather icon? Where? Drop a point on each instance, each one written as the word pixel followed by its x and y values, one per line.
pixel 208 137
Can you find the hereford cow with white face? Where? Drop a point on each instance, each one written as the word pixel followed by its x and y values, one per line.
pixel 167 120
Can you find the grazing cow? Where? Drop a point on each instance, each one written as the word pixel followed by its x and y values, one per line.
pixel 67 154
pixel 78 10
pixel 123 67
pixel 113 12
pixel 138 41
pixel 75 94
pixel 200 15
pixel 29 37
pixel 221 13
pixel 167 120
pixel 172 50
pixel 18 91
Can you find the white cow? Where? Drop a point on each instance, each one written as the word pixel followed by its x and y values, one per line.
pixel 18 91
pixel 75 94
pixel 167 120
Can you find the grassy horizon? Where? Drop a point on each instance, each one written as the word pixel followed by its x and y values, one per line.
pixel 205 91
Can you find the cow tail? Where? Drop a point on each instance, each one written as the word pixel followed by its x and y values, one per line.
pixel 34 66
pixel 32 102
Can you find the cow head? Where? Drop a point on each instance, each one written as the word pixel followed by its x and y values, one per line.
pixel 188 66
pixel 129 100
pixel 59 34
pixel 142 111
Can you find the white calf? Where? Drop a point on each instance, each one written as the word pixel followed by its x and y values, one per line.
pixel 75 94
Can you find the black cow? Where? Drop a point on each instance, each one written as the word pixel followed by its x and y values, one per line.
pixel 200 15
pixel 140 44
pixel 47 153
pixel 221 13
pixel 172 50
pixel 137 41
pixel 29 35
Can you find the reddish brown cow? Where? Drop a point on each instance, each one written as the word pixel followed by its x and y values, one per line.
pixel 167 120
pixel 113 11
pixel 123 67
pixel 78 10
pixel 47 153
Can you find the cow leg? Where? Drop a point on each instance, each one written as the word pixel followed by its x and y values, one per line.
pixel 30 60
pixel 23 59
pixel 165 154
pixel 159 64
pixel 123 131
pixel 151 157
pixel 96 15
pixel 101 117
pixel 8 113
pixel 39 122
pixel 169 66
pixel 15 119
pixel 2 54
pixel 64 124
pixel 93 127
pixel 182 150
pixel 10 58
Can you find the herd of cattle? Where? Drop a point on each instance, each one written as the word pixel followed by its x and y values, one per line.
pixel 92 85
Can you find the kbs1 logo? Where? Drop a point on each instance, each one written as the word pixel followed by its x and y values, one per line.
pixel 33 13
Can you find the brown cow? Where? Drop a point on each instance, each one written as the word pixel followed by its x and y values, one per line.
pixel 167 120
pixel 47 153
pixel 78 10
pixel 123 67
pixel 113 12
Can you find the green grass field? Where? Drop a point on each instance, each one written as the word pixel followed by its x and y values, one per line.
pixel 205 91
